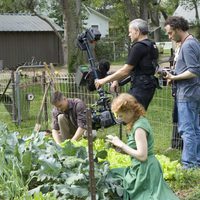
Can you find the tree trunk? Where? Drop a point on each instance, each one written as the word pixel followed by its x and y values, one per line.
pixel 196 12
pixel 144 9
pixel 71 18
pixel 154 14
pixel 131 10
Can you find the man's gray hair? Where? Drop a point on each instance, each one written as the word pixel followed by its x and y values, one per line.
pixel 141 25
pixel 56 97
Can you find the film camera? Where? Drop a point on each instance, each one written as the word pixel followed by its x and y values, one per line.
pixel 87 75
pixel 90 35
pixel 102 117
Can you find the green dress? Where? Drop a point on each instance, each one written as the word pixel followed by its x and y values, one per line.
pixel 143 180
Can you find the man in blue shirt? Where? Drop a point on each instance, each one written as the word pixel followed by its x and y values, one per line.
pixel 187 78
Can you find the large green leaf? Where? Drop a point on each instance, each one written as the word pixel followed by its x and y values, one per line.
pixel 74 178
pixel 49 165
pixel 69 149
pixel 102 154
pixel 79 191
pixel 72 162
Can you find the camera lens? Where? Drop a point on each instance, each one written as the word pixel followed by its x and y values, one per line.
pixel 164 73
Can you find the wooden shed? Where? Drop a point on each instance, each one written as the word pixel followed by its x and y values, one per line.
pixel 24 37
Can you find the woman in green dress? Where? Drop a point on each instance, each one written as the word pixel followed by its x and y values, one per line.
pixel 143 180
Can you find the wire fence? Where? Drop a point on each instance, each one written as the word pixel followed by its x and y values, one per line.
pixel 22 91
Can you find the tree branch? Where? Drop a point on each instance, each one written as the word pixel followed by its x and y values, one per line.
pixel 50 24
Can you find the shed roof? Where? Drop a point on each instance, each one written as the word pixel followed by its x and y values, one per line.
pixel 90 10
pixel 24 22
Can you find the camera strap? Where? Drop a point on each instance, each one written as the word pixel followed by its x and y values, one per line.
pixel 152 51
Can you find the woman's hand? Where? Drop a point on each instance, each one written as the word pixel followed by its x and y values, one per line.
pixel 115 141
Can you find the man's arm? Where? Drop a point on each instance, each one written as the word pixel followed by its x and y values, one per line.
pixel 185 75
pixel 56 136
pixel 78 134
pixel 118 75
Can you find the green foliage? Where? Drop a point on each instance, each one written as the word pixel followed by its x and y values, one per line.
pixel 23 6
pixel 103 50
pixel 36 168
pixel 11 177
pixel 169 6
pixel 170 168
pixel 56 14
pixel 195 194
pixel 39 165
pixel 186 179
pixel 117 160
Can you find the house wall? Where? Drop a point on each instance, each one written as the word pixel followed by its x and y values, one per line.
pixel 103 24
pixel 19 47
pixel 188 14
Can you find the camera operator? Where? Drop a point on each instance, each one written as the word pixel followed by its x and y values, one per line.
pixel 68 117
pixel 187 70
pixel 140 65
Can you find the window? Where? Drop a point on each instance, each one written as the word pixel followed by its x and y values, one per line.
pixel 95 27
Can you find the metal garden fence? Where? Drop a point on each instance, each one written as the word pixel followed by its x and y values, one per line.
pixel 21 93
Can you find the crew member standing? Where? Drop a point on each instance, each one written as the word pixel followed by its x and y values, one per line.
pixel 141 65
pixel 187 77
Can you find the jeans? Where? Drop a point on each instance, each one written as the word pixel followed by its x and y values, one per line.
pixel 189 128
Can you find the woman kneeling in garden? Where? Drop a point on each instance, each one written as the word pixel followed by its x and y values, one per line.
pixel 143 180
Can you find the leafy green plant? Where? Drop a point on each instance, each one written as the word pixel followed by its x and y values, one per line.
pixel 36 167
pixel 170 168
pixel 12 184
pixel 43 166
pixel 11 181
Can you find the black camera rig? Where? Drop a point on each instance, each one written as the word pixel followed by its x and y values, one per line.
pixel 90 35
pixel 162 73
pixel 102 117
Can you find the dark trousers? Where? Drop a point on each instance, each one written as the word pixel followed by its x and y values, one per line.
pixel 177 142
pixel 143 88
pixel 143 95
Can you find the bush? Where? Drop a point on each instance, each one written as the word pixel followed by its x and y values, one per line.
pixel 104 50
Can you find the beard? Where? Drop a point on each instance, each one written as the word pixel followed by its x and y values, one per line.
pixel 177 38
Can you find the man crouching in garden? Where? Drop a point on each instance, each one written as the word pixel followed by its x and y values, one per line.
pixel 68 117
